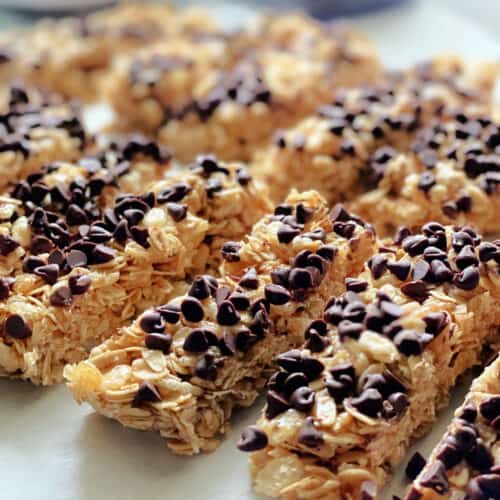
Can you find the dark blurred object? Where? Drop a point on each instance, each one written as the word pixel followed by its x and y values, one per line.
pixel 325 9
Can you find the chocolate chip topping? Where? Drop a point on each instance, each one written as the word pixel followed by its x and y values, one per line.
pixel 435 478
pixel 277 295
pixel 192 309
pixel 468 279
pixel 147 393
pixel 276 404
pixel 310 436
pixel 17 327
pixel 250 280
pixel 61 296
pixel 152 322
pixel 415 465
pixel 302 399
pixel 199 340
pixel 252 439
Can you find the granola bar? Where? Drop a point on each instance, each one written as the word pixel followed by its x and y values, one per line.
pixel 182 367
pixel 343 149
pixel 36 128
pixel 387 352
pixel 451 174
pixel 73 273
pixel 466 463
pixel 71 56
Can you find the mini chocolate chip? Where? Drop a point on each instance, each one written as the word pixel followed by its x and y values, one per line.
pixel 227 315
pixel 421 271
pixel 348 329
pixel 292 382
pixel 201 288
pixel 152 322
pixel 140 235
pixel 435 322
pixel 302 399
pixel 303 214
pixel 468 413
pixel 5 287
pixel 245 339
pixel 17 327
pixel 356 285
pixel 369 402
pixel 450 209
pixel 340 386
pixel 41 244
pixel 277 295
pixel 489 251
pixel 30 263
pixel 206 368
pixel 479 456
pixel 426 181
pixel 440 272
pixel 192 309
pixel 61 296
pixel 401 234
pixel 468 279
pixel 308 434
pixel 102 254
pixel 485 486
pixel 377 265
pixel 408 342
pixel 49 273
pixel 415 465
pixel 199 340
pixel 435 477
pixel 75 216
pixel 415 245
pixel 121 232
pixel 287 233
pixel 328 252
pixel 158 342
pixel 76 258
pixel 171 313
pixel 400 269
pixel 466 257
pixel 230 250
pixel 227 344
pixel 300 278
pixel 133 217
pixel 240 301
pixel 250 280
pixel 177 211
pixel 56 257
pixel 415 289
pixel 464 203
pixel 276 404
pixel 490 408
pixel 395 405
pixel 79 284
pixel 147 393
pixel 283 209
pixel 252 439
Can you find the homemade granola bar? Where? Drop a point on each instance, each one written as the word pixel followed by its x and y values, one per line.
pixel 73 273
pixel 163 79
pixel 386 353
pixel 36 128
pixel 71 55
pixel 182 368
pixel 343 149
pixel 466 463
pixel 451 175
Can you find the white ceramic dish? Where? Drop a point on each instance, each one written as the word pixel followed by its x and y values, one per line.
pixel 51 449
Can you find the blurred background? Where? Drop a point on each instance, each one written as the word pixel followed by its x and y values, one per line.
pixel 485 12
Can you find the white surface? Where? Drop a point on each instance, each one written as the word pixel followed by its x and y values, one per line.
pixel 51 449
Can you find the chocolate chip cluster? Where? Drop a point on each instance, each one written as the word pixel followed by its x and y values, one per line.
pixel 463 444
